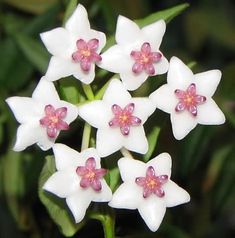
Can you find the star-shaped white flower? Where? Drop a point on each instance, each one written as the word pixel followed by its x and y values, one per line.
pixel 187 98
pixel 79 179
pixel 41 117
pixel 136 55
pixel 75 48
pixel 119 119
pixel 148 188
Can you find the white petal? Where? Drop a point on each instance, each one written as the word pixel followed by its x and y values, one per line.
pixel 162 164
pixel 127 31
pixel 105 195
pixel 152 210
pixel 175 195
pixel 62 183
pixel 58 42
pixel 162 66
pixel 136 140
pixel 99 36
pixel 179 75
pixel 25 109
pixel 60 68
pixel 116 60
pixel 133 81
pixel 78 204
pixel 144 107
pixel 45 92
pixel 96 113
pixel 207 82
pixel 164 98
pixel 130 169
pixel 72 111
pixel 44 142
pixel 182 124
pixel 154 33
pixel 65 156
pixel 116 94
pixel 78 23
pixel 27 134
pixel 85 77
pixel 87 153
pixel 127 196
pixel 108 141
pixel 209 113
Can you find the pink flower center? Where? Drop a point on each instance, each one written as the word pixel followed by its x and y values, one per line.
pixel 188 100
pixel 144 59
pixel 152 184
pixel 123 118
pixel 86 53
pixel 90 176
pixel 53 120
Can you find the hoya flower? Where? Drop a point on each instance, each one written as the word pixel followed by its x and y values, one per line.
pixel 136 56
pixel 42 117
pixel 79 179
pixel 75 49
pixel 187 98
pixel 148 188
pixel 119 119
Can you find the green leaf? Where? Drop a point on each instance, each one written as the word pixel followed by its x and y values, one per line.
pixel 56 207
pixel 69 90
pixel 11 58
pixel 33 51
pixel 167 15
pixel 152 140
pixel 69 10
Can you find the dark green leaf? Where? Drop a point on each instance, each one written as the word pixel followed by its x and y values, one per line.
pixel 56 207
pixel 33 51
pixel 152 139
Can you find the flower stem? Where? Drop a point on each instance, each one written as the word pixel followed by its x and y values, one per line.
pixel 126 153
pixel 108 222
pixel 86 136
pixel 88 91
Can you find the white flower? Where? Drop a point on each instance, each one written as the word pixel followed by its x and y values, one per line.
pixel 75 48
pixel 187 97
pixel 136 55
pixel 119 119
pixel 79 179
pixel 148 188
pixel 41 117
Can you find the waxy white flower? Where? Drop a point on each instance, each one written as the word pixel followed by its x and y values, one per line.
pixel 79 179
pixel 41 117
pixel 187 97
pixel 136 55
pixel 75 48
pixel 119 119
pixel 148 188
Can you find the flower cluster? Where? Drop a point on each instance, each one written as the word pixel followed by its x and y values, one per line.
pixel 118 117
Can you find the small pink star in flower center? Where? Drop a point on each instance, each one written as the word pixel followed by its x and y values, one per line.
pixel 151 183
pixel 86 53
pixel 53 120
pixel 123 118
pixel 90 176
pixel 144 59
pixel 189 99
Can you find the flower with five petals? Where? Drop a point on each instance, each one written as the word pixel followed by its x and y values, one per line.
pixel 148 188
pixel 42 117
pixel 75 49
pixel 187 98
pixel 136 55
pixel 79 179
pixel 119 119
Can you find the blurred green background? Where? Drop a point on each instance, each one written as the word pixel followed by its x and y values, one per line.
pixel 203 163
